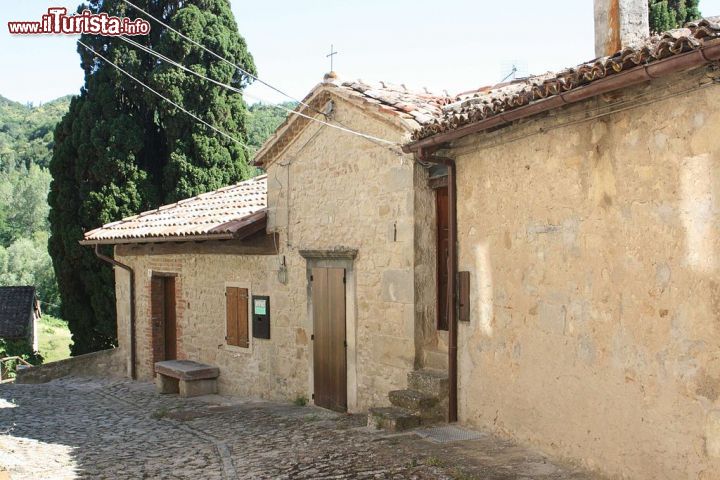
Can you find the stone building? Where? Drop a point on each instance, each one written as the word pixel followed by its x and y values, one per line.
pixel 571 219
pixel 19 314
pixel 329 201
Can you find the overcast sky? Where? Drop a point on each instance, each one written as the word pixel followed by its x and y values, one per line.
pixel 452 45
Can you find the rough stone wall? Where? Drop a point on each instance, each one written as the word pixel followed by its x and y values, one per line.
pixel 104 363
pixel 594 251
pixel 329 190
pixel 272 369
pixel 425 266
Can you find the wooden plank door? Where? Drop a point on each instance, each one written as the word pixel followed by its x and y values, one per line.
pixel 163 318
pixel 443 245
pixel 329 345
pixel 170 320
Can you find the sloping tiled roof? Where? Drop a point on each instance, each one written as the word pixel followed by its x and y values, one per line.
pixel 230 212
pixel 413 108
pixel 483 104
pixel 16 307
pixel 419 108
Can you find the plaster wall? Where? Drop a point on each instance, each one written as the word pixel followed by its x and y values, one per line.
pixel 594 252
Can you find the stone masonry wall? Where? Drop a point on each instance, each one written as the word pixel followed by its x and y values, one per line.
pixel 328 190
pixel 271 369
pixel 104 363
pixel 594 252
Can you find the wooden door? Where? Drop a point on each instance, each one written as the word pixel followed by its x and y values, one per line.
pixel 443 245
pixel 329 345
pixel 170 320
pixel 163 318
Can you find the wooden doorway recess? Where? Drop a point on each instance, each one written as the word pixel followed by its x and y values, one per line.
pixel 329 342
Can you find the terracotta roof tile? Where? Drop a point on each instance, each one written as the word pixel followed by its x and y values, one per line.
pixel 484 103
pixel 421 107
pixel 221 213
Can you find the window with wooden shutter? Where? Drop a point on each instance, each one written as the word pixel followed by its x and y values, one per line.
pixel 236 301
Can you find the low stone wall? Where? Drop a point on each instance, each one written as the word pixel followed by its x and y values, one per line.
pixel 105 363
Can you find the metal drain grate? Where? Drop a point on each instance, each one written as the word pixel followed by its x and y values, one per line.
pixel 449 433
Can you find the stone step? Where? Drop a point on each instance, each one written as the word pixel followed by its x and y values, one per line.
pixel 431 382
pixel 392 419
pixel 435 359
pixel 412 400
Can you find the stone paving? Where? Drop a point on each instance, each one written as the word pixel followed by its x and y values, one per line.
pixel 99 429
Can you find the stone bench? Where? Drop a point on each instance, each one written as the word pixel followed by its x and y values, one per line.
pixel 188 378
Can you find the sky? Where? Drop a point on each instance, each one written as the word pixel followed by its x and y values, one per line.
pixel 452 45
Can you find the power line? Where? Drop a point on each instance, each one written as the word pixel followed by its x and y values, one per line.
pixel 255 77
pixel 243 144
pixel 220 57
pixel 237 90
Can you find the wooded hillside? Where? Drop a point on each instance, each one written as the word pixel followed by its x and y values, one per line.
pixel 26 142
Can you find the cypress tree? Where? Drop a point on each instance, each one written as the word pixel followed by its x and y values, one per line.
pixel 120 149
pixel 669 14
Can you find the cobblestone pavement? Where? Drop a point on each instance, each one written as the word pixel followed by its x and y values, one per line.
pixel 90 428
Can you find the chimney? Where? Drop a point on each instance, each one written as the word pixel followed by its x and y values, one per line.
pixel 619 24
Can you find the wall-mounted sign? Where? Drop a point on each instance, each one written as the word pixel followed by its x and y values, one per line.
pixel 261 316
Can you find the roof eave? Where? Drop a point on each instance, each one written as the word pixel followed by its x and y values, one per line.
pixel 258 160
pixel 705 54
pixel 253 224
pixel 261 160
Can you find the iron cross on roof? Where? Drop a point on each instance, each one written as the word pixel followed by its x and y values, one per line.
pixel 332 57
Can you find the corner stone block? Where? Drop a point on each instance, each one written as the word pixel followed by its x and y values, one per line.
pixel 196 388
pixel 712 434
pixel 398 286
pixel 165 384
pixel 399 179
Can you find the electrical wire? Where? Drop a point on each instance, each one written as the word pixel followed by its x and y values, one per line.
pixel 228 136
pixel 395 148
pixel 220 57
pixel 237 90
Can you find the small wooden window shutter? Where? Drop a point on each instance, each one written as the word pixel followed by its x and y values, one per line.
pixel 236 300
pixel 243 337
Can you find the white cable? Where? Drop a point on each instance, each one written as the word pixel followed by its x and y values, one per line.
pixel 243 144
pixel 237 90
pixel 220 57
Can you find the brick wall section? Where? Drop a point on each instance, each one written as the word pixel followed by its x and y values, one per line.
pixel 150 337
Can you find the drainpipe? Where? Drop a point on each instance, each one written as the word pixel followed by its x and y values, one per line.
pixel 452 279
pixel 130 271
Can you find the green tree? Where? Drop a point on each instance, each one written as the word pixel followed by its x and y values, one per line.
pixel 26 132
pixel 23 202
pixel 263 120
pixel 26 262
pixel 120 149
pixel 669 14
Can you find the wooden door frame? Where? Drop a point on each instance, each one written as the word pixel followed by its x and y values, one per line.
pixel 163 275
pixel 335 259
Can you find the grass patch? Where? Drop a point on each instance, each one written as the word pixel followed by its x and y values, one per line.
pixel 54 338
pixel 433 462
pixel 160 413
pixel 300 401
